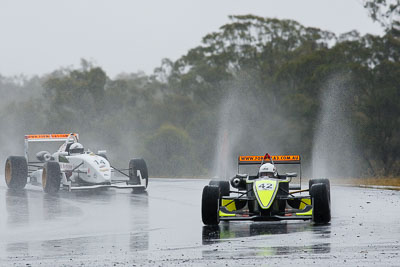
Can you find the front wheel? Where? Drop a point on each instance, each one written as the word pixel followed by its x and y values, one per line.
pixel 16 172
pixel 51 177
pixel 322 181
pixel 138 172
pixel 210 205
pixel 321 204
pixel 224 186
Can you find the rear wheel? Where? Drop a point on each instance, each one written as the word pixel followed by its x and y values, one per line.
pixel 224 186
pixel 16 172
pixel 210 205
pixel 321 204
pixel 51 177
pixel 137 166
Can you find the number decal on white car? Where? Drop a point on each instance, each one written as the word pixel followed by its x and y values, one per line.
pixel 265 186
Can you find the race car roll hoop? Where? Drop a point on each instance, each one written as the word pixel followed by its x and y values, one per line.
pixel 71 168
pixel 266 196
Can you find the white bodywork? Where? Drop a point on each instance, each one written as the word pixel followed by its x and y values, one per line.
pixel 87 169
pixel 92 168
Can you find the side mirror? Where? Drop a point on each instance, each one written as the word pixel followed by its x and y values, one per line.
pixel 101 152
pixel 291 174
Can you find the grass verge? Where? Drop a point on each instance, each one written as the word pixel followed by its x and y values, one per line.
pixel 379 181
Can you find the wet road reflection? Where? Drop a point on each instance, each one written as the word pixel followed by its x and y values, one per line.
pixel 71 224
pixel 17 208
pixel 163 227
pixel 227 230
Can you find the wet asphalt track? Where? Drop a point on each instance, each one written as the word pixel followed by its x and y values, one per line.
pixel 163 227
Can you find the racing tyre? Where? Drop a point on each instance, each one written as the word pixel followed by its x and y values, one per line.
pixel 16 172
pixel 224 186
pixel 320 203
pixel 322 181
pixel 210 205
pixel 136 165
pixel 51 177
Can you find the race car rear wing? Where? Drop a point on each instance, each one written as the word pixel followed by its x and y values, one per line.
pixel 47 138
pixel 277 159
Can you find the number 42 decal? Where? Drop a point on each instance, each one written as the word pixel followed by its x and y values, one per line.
pixel 265 186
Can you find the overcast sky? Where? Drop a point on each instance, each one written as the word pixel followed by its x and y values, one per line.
pixel 40 36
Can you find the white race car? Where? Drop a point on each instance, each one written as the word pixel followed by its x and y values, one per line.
pixel 71 168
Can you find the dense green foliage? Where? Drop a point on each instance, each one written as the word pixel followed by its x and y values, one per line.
pixel 386 12
pixel 256 85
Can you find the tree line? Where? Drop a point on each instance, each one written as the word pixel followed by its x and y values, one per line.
pixel 256 85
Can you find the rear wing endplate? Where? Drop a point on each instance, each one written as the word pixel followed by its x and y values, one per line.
pixel 277 159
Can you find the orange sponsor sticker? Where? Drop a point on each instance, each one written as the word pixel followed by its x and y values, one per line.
pixel 274 158
pixel 47 136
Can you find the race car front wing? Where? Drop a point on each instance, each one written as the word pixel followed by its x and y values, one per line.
pixel 265 218
pixel 225 214
pixel 119 186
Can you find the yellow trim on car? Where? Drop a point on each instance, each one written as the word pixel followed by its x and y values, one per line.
pixel 265 191
pixel 229 204
pixel 223 214
pixel 308 213
pixel 304 202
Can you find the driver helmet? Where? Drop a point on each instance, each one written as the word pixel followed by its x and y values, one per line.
pixel 268 169
pixel 76 148
pixel 68 144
